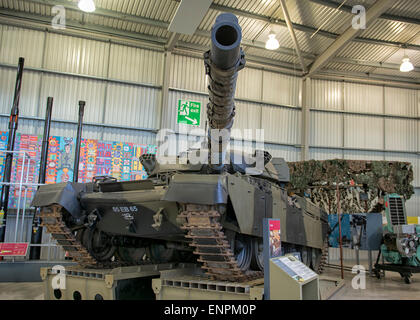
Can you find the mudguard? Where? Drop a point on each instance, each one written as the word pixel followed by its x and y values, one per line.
pixel 197 188
pixel 64 194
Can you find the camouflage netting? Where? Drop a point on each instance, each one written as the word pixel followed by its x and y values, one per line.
pixel 318 180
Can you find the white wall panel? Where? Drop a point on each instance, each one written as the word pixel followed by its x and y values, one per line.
pixel 326 129
pixel 281 89
pixel 363 98
pixel 401 102
pixel 363 155
pixel 401 134
pixel 132 106
pixel 249 84
pixel 248 116
pixel 326 95
pixel 290 154
pixel 130 136
pixel 28 104
pixel 188 73
pixel 76 55
pixel 67 91
pixel 413 204
pixel 137 65
pixel 281 125
pixel 17 42
pixel 363 132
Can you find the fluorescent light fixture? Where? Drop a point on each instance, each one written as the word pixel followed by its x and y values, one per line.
pixel 406 65
pixel 86 5
pixel 272 43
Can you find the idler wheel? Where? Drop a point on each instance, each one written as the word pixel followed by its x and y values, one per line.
pixel 99 245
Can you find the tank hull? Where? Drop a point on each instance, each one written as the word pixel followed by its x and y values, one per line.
pixel 152 212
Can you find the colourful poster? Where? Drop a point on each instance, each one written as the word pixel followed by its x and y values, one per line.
pixel 104 159
pixel 52 160
pixel 65 160
pixel 97 158
pixel 117 157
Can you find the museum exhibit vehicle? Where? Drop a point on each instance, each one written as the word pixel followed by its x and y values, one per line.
pixel 210 213
pixel 401 241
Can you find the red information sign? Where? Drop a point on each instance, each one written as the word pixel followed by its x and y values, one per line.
pixel 13 249
pixel 274 225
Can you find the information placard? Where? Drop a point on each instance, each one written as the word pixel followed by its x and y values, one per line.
pixel 272 249
pixel 13 249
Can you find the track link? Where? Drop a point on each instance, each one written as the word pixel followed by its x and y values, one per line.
pixel 324 256
pixel 211 244
pixel 52 220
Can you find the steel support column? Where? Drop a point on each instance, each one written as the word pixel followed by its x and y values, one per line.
pixel 306 119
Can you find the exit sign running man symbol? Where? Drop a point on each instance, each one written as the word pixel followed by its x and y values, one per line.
pixel 189 112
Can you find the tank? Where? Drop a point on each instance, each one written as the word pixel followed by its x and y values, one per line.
pixel 210 212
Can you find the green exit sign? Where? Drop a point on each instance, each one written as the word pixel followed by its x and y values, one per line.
pixel 189 112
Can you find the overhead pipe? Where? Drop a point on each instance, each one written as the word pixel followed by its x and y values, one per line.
pixel 13 126
pixel 35 251
pixel 78 141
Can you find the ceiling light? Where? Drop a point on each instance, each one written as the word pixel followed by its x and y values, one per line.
pixel 406 65
pixel 87 5
pixel 272 43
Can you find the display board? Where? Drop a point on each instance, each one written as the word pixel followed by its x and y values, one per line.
pixel 290 279
pixel 117 159
pixel 294 268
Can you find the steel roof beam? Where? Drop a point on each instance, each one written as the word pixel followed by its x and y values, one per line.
pixel 293 35
pixel 308 29
pixel 372 14
pixel 171 41
pixel 348 9
pixel 266 19
pixel 173 38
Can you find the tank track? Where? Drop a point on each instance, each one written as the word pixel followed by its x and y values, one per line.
pixel 52 220
pixel 324 256
pixel 211 244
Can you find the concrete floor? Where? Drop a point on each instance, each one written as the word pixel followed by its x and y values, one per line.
pixel 390 287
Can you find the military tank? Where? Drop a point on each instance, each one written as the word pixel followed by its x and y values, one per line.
pixel 211 212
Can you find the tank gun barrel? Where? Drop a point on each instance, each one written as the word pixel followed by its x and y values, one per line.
pixel 222 63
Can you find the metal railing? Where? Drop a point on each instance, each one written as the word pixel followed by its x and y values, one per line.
pixel 23 182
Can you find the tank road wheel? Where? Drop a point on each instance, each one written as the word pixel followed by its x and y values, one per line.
pixel 159 253
pixel 100 245
pixel 241 247
pixel 82 235
pixel 257 261
pixel 306 254
pixel 316 260
pixel 130 255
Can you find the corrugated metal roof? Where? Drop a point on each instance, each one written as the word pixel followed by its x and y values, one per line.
pixel 262 7
pixel 314 15
pixel 302 12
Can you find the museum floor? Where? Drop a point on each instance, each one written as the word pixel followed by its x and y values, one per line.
pixel 391 287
